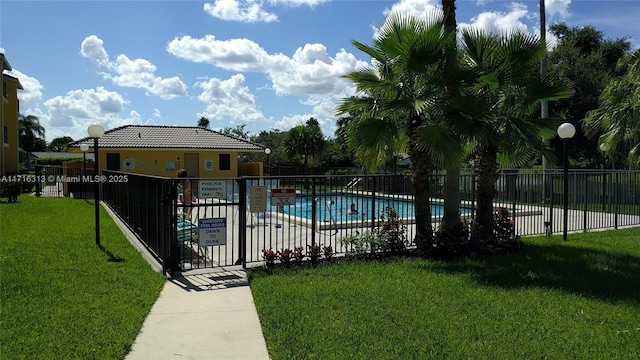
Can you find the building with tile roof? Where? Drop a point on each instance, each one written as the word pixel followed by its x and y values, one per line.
pixel 162 150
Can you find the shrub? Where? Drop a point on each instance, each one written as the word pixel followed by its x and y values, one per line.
pixel 269 257
pixel 361 244
pixel 452 242
pixel 298 255
pixel 313 252
pixel 285 256
pixel 327 251
pixel 392 231
pixel 504 239
pixel 11 190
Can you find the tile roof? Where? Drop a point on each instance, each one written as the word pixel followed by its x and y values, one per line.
pixel 169 137
pixel 46 154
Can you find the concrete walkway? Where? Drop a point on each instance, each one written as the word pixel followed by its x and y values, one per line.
pixel 202 314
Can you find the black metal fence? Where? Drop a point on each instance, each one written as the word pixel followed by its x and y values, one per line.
pixel 64 181
pixel 230 221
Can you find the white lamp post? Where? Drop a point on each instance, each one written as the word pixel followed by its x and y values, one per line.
pixel 96 131
pixel 267 151
pixel 566 131
pixel 84 148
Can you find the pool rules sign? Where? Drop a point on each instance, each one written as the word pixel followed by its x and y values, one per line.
pixel 212 232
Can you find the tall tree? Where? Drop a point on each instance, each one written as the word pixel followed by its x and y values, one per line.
pixel 451 226
pixel 238 132
pixel 272 139
pixel 306 141
pixel 400 105
pixel 509 89
pixel 618 116
pixel 59 144
pixel 588 60
pixel 29 130
pixel 203 122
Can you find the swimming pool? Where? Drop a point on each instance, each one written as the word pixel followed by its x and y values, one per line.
pixel 337 207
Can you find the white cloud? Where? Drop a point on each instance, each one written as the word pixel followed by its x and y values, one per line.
pixel 249 11
pixel 229 99
pixel 71 114
pixel 137 73
pixel 92 48
pixel 310 3
pixel 234 54
pixel 413 7
pixel 557 7
pixel 80 105
pixel 310 70
pixel 500 22
pixel 418 8
pixel 32 92
pixel 287 122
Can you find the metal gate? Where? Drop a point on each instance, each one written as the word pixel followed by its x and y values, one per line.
pixel 209 225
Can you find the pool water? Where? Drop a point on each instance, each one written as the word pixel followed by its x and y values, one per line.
pixel 338 207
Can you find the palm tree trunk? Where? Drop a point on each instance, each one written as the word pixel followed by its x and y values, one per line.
pixel 487 174
pixel 451 213
pixel 421 167
pixel 451 221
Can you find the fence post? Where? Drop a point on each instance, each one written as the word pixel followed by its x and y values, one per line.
pixel 615 195
pixel 513 190
pixel 313 213
pixel 586 202
pixel 373 202
pixel 242 223
pixel 38 180
pixel 551 192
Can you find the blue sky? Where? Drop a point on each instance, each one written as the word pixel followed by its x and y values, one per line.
pixel 269 64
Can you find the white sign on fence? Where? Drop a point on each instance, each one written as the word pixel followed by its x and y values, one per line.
pixel 281 197
pixel 212 189
pixel 258 199
pixel 212 231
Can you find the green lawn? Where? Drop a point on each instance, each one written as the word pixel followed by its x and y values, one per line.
pixel 61 296
pixel 557 300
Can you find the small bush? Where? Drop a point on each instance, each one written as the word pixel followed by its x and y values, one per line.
pixel 505 239
pixel 285 256
pixel 452 242
pixel 392 231
pixel 269 257
pixel 327 251
pixel 314 252
pixel 298 254
pixel 11 190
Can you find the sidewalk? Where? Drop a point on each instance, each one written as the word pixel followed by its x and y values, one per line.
pixel 202 314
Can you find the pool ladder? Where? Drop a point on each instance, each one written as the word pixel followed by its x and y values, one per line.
pixel 352 184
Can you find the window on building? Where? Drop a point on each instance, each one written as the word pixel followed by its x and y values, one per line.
pixel 5 134
pixel 225 161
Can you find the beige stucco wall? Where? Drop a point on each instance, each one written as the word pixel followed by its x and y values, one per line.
pixel 10 120
pixel 154 162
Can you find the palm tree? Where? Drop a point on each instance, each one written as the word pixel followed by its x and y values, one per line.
pixel 508 88
pixel 618 115
pixel 203 122
pixel 306 141
pixel 29 129
pixel 451 225
pixel 400 105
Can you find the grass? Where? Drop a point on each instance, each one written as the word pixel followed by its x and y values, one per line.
pixel 61 296
pixel 554 299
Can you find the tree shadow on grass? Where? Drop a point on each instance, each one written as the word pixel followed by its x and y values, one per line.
pixel 110 256
pixel 588 272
